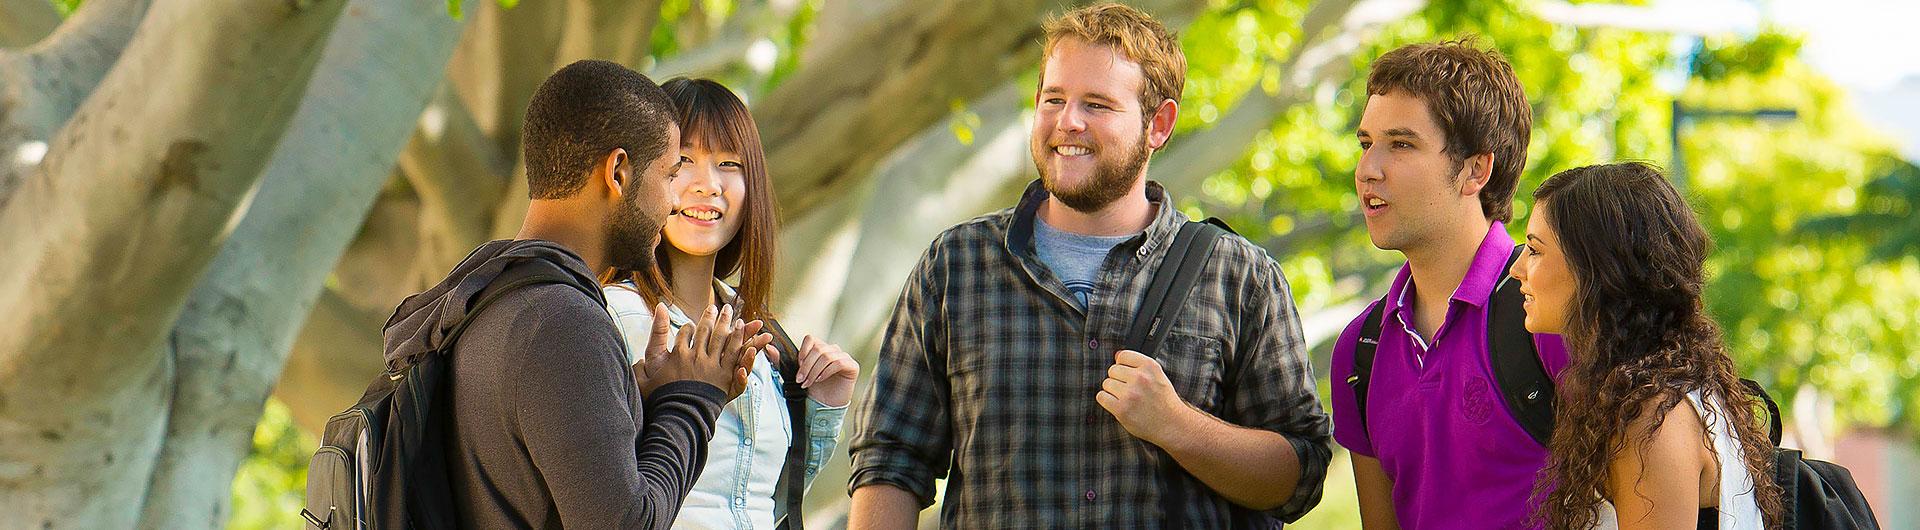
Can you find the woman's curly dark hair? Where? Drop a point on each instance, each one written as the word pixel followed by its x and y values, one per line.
pixel 1639 337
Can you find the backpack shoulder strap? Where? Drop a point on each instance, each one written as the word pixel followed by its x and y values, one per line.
pixel 1524 383
pixel 793 473
pixel 1773 409
pixel 1166 294
pixel 511 280
pixel 1172 281
pixel 1364 350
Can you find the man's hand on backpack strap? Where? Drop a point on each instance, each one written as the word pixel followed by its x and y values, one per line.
pixel 1138 393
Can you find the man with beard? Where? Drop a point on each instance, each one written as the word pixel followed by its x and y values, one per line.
pixel 547 425
pixel 1001 368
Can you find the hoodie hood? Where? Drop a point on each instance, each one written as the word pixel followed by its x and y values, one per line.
pixel 422 321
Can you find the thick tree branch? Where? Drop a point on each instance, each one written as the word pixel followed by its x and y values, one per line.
pixel 500 62
pixel 42 86
pixel 139 190
pixel 335 354
pixel 383 60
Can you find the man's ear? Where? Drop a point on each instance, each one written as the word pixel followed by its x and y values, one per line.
pixel 1160 128
pixel 614 172
pixel 1475 171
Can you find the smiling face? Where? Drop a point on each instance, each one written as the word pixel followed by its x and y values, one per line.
pixel 1410 188
pixel 1546 281
pixel 1090 135
pixel 710 200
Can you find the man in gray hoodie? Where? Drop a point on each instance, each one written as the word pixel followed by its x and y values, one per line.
pixel 549 426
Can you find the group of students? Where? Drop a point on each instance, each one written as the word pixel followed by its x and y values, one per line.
pixel 642 391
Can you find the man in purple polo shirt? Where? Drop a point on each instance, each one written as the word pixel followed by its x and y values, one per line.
pixel 1443 140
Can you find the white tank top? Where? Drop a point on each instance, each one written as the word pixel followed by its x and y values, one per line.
pixel 1739 509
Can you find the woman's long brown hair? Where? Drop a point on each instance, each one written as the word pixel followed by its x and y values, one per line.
pixel 1638 334
pixel 712 117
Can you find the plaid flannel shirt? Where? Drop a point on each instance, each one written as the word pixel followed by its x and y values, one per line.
pixel 988 372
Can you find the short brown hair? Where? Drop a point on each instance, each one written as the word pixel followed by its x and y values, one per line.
pixel 1134 34
pixel 1478 103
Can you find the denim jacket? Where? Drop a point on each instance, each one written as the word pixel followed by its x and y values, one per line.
pixel 749 447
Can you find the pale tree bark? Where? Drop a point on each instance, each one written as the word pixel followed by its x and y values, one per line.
pixel 24 22
pixel 336 353
pixel 383 60
pixel 41 86
pixel 137 192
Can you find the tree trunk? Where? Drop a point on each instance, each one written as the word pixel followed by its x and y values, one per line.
pixel 41 86
pixel 383 60
pixel 136 194
pixel 460 184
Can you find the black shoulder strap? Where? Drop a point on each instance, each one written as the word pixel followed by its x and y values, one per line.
pixel 510 281
pixel 1363 353
pixel 1524 383
pixel 1773 409
pixel 793 474
pixel 1166 294
pixel 1192 246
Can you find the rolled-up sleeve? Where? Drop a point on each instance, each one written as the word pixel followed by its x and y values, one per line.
pixel 1274 386
pixel 823 433
pixel 902 436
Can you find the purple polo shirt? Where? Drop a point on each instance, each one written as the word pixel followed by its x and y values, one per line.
pixel 1435 418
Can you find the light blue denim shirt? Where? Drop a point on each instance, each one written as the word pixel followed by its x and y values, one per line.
pixel 738 487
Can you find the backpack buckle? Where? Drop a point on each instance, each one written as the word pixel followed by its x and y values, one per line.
pixel 315 520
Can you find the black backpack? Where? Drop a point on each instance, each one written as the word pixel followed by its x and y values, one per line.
pixel 1524 384
pixel 1166 295
pixel 382 464
pixel 1817 495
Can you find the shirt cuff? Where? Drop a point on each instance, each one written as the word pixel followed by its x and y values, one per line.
pixel 872 467
pixel 1314 457
pixel 824 419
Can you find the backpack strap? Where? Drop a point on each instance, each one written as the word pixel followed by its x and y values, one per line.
pixel 1166 294
pixel 1191 248
pixel 1773 409
pixel 793 474
pixel 1363 352
pixel 1526 387
pixel 511 280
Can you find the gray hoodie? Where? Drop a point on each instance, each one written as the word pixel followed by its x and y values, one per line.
pixel 548 427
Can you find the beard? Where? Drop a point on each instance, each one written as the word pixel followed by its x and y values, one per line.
pixel 632 233
pixel 1112 176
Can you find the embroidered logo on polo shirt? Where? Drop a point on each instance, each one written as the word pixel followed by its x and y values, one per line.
pixel 1477 401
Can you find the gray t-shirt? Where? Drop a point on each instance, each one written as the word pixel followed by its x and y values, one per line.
pixel 1075 259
